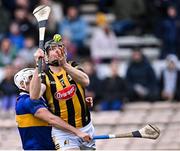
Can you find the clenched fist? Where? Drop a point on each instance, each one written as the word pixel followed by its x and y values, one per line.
pixel 39 54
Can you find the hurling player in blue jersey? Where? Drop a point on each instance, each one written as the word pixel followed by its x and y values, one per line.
pixel 35 120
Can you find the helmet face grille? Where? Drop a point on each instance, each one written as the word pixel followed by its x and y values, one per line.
pixel 23 76
pixel 47 44
pixel 52 43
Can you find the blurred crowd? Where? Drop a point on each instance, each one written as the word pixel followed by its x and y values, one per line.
pixel 19 41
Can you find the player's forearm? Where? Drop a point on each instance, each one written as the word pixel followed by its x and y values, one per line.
pixel 61 124
pixel 77 75
pixel 55 121
pixel 35 86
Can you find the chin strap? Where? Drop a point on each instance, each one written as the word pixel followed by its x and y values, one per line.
pixel 54 63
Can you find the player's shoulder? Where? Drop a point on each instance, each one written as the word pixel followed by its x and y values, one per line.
pixel 22 103
pixel 22 97
pixel 25 101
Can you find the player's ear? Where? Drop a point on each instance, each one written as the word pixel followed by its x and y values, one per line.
pixel 22 84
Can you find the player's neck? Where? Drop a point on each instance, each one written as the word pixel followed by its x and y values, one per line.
pixel 55 69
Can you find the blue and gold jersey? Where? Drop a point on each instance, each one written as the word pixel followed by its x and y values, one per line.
pixel 35 133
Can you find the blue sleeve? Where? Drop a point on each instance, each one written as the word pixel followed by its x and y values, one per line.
pixel 34 105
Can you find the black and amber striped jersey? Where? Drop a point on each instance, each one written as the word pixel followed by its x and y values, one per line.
pixel 66 97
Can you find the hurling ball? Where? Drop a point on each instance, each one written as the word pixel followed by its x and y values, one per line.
pixel 57 38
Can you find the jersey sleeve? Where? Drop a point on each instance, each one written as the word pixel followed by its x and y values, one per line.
pixel 34 105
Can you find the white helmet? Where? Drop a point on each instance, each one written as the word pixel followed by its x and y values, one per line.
pixel 23 76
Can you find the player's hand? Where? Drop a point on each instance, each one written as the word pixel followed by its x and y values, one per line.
pixel 89 101
pixel 84 136
pixel 39 54
pixel 62 55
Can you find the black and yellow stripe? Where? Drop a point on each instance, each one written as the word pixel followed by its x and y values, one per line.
pixel 69 104
pixel 85 115
pixel 51 90
pixel 73 110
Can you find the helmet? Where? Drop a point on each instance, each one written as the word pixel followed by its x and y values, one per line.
pixel 51 43
pixel 56 41
pixel 23 76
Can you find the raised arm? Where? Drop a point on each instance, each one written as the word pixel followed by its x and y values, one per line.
pixel 77 75
pixel 36 87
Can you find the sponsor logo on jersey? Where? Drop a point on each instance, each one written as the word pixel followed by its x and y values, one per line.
pixel 66 93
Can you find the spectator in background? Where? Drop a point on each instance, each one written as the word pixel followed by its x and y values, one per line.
pixel 94 89
pixel 7 52
pixel 28 4
pixel 23 3
pixel 21 16
pixel 127 15
pixel 114 90
pixel 68 3
pixel 76 28
pixel 15 36
pixel 141 79
pixel 168 31
pixel 8 90
pixel 27 53
pixel 71 48
pixel 155 11
pixel 104 5
pixel 11 5
pixel 4 72
pixel 103 39
pixel 170 80
pixel 4 21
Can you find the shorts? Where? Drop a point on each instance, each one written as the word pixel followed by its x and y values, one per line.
pixel 65 140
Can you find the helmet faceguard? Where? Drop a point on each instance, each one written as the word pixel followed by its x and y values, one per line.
pixel 22 77
pixel 52 45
